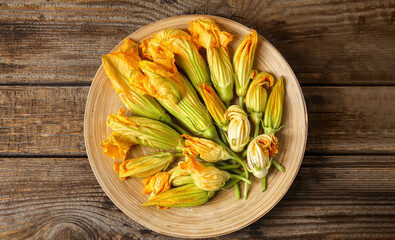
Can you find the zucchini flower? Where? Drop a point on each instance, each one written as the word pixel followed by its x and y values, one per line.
pixel 256 97
pixel 274 108
pixel 123 64
pixel 260 152
pixel 243 60
pixel 206 178
pixel 145 131
pixel 214 105
pixel 117 145
pixel 144 166
pixel 239 128
pixel 185 196
pixel 156 184
pixel 208 150
pixel 179 177
pixel 186 54
pixel 206 33
pixel 174 92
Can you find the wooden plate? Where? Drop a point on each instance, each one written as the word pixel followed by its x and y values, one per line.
pixel 223 213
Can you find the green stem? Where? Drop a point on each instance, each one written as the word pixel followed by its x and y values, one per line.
pixel 237 191
pixel 222 163
pixel 230 183
pixel 278 166
pixel 228 167
pixel 245 190
pixel 264 184
pixel 178 155
pixel 233 155
pixel 177 128
pixel 241 102
pixel 223 137
pixel 237 171
pixel 244 154
pixel 241 178
pixel 256 131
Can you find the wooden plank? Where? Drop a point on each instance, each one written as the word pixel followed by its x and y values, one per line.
pixel 350 119
pixel 332 197
pixel 326 42
pixel 342 120
pixel 42 120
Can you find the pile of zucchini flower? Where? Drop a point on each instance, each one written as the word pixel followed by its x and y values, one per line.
pixel 188 58
pixel 173 91
pixel 178 115
pixel 120 66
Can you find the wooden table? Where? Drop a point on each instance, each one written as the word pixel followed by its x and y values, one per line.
pixel 343 53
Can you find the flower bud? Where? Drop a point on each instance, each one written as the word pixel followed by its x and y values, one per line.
pixel 156 184
pixel 206 33
pixel 144 166
pixel 239 128
pixel 146 132
pixel 206 178
pixel 257 96
pixel 208 150
pixel 214 105
pixel 274 108
pixel 260 152
pixel 243 60
pixel 185 196
pixel 117 145
pixel 179 177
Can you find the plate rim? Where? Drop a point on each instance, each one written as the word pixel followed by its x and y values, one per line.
pixel 240 226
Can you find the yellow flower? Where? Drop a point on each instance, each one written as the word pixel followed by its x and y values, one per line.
pixel 206 178
pixel 144 166
pixel 120 66
pixel 154 49
pixel 208 150
pixel 179 177
pixel 156 184
pixel 186 53
pixel 174 92
pixel 185 196
pixel 206 33
pixel 239 128
pixel 243 60
pixel 214 105
pixel 274 108
pixel 257 96
pixel 146 132
pixel 117 145
pixel 163 80
pixel 260 152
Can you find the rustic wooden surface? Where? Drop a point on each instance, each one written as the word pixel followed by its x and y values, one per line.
pixel 341 51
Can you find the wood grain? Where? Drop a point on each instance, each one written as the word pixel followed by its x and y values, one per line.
pixel 332 197
pixel 42 120
pixel 326 42
pixel 49 120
